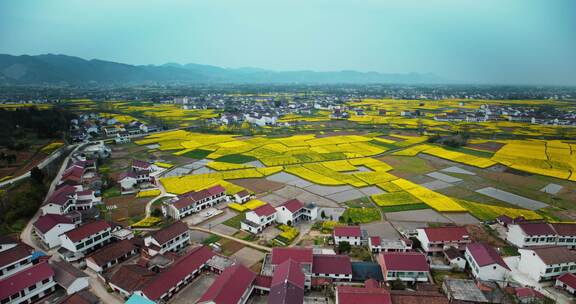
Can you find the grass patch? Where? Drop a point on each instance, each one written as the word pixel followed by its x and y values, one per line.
pixel 211 239
pixel 404 207
pixel 509 251
pixel 197 154
pixel 234 222
pixel 359 203
pixel 236 158
pixel 360 215
pixel 111 192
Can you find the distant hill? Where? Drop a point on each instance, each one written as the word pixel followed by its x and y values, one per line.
pixel 52 69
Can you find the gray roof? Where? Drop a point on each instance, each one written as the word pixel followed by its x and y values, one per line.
pixel 464 290
pixel 65 274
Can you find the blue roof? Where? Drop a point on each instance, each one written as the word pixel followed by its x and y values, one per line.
pixel 37 254
pixel 136 299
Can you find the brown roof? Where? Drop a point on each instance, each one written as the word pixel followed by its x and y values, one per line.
pixel 81 297
pixel 554 254
pixel 87 230
pixel 112 252
pixel 131 277
pixel 65 274
pixel 15 254
pixel 565 229
pixel 166 234
pixel 417 297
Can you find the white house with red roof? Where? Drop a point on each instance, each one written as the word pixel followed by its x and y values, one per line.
pixel 49 227
pixel 288 284
pixel 234 285
pixel 350 234
pixel 435 239
pixel 192 202
pixel 62 201
pixel 294 211
pixel 84 239
pixel 172 238
pixel 485 262
pixel 303 256
pixel 378 244
pixel 531 234
pixel 370 293
pixel 331 266
pixel 567 282
pixel 258 219
pixel 405 266
pixel 110 255
pixel 28 285
pixel 15 258
pixel 546 262
pixel 180 274
pixel 242 197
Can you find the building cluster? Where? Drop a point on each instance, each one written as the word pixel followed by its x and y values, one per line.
pixel 289 213
pixel 92 126
pixel 140 175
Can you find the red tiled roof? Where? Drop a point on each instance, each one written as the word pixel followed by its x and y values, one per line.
pixel 230 285
pixel 24 279
pixel 485 255
pixel 48 221
pixel 537 228
pixel 446 234
pixel 14 254
pixel 371 283
pixel 288 271
pixel 568 279
pixel 189 198
pixel 349 231
pixel 527 292
pixel 332 264
pixel 403 261
pixel 73 173
pixel 185 266
pixel 87 230
pixel 112 252
pixel 85 192
pixel 124 175
pixel 554 254
pixel 362 295
pixel 565 229
pixel 183 202
pixel 131 277
pixel 243 193
pixel 293 205
pixel 214 190
pixel 265 210
pixel 140 163
pixel 375 240
pixel 166 234
pixel 263 281
pixel 300 255
pixel 61 195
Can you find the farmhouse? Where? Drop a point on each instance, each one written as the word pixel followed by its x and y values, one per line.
pixel 242 197
pixel 192 202
pixel 129 278
pixel 28 285
pixel 62 201
pixel 287 284
pixel 14 258
pixel 435 240
pixel 378 244
pixel 531 234
pixel 69 277
pixel 405 266
pixel 486 264
pixel 258 219
pixel 169 282
pixel 234 285
pixel 86 238
pixel 455 258
pixel 567 282
pixel 370 293
pixel 110 255
pixel 171 238
pixel 49 227
pixel 294 211
pixel 334 267
pixel 546 262
pixel 350 234
pixel 303 256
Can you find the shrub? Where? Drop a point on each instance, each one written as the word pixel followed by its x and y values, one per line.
pixel 147 222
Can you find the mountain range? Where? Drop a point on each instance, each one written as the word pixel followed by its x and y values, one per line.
pixel 63 69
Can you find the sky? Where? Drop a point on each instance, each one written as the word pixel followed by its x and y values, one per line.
pixel 474 41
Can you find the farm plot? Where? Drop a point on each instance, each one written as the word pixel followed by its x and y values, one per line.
pixel 512 198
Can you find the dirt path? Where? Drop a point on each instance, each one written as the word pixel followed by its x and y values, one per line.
pixel 249 244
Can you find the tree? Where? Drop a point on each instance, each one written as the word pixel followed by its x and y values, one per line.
pixel 344 247
pixel 323 215
pixel 397 284
pixel 37 175
pixel 156 213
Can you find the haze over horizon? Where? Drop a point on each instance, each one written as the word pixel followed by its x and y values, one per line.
pixel 488 41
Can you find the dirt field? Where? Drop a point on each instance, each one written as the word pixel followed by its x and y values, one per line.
pixel 126 207
pixel 258 185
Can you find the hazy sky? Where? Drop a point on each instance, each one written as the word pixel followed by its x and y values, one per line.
pixel 490 41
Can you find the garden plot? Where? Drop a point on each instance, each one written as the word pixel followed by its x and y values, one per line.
pixel 372 190
pixel 345 196
pixel 436 185
pixel 461 218
pixel 327 190
pixel 457 170
pixel 512 198
pixel 382 229
pixel 273 199
pixel 424 216
pixel 552 189
pixel 177 172
pixel 444 177
pixel 331 213
pixel 258 185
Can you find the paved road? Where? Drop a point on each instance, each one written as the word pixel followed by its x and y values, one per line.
pixel 249 244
